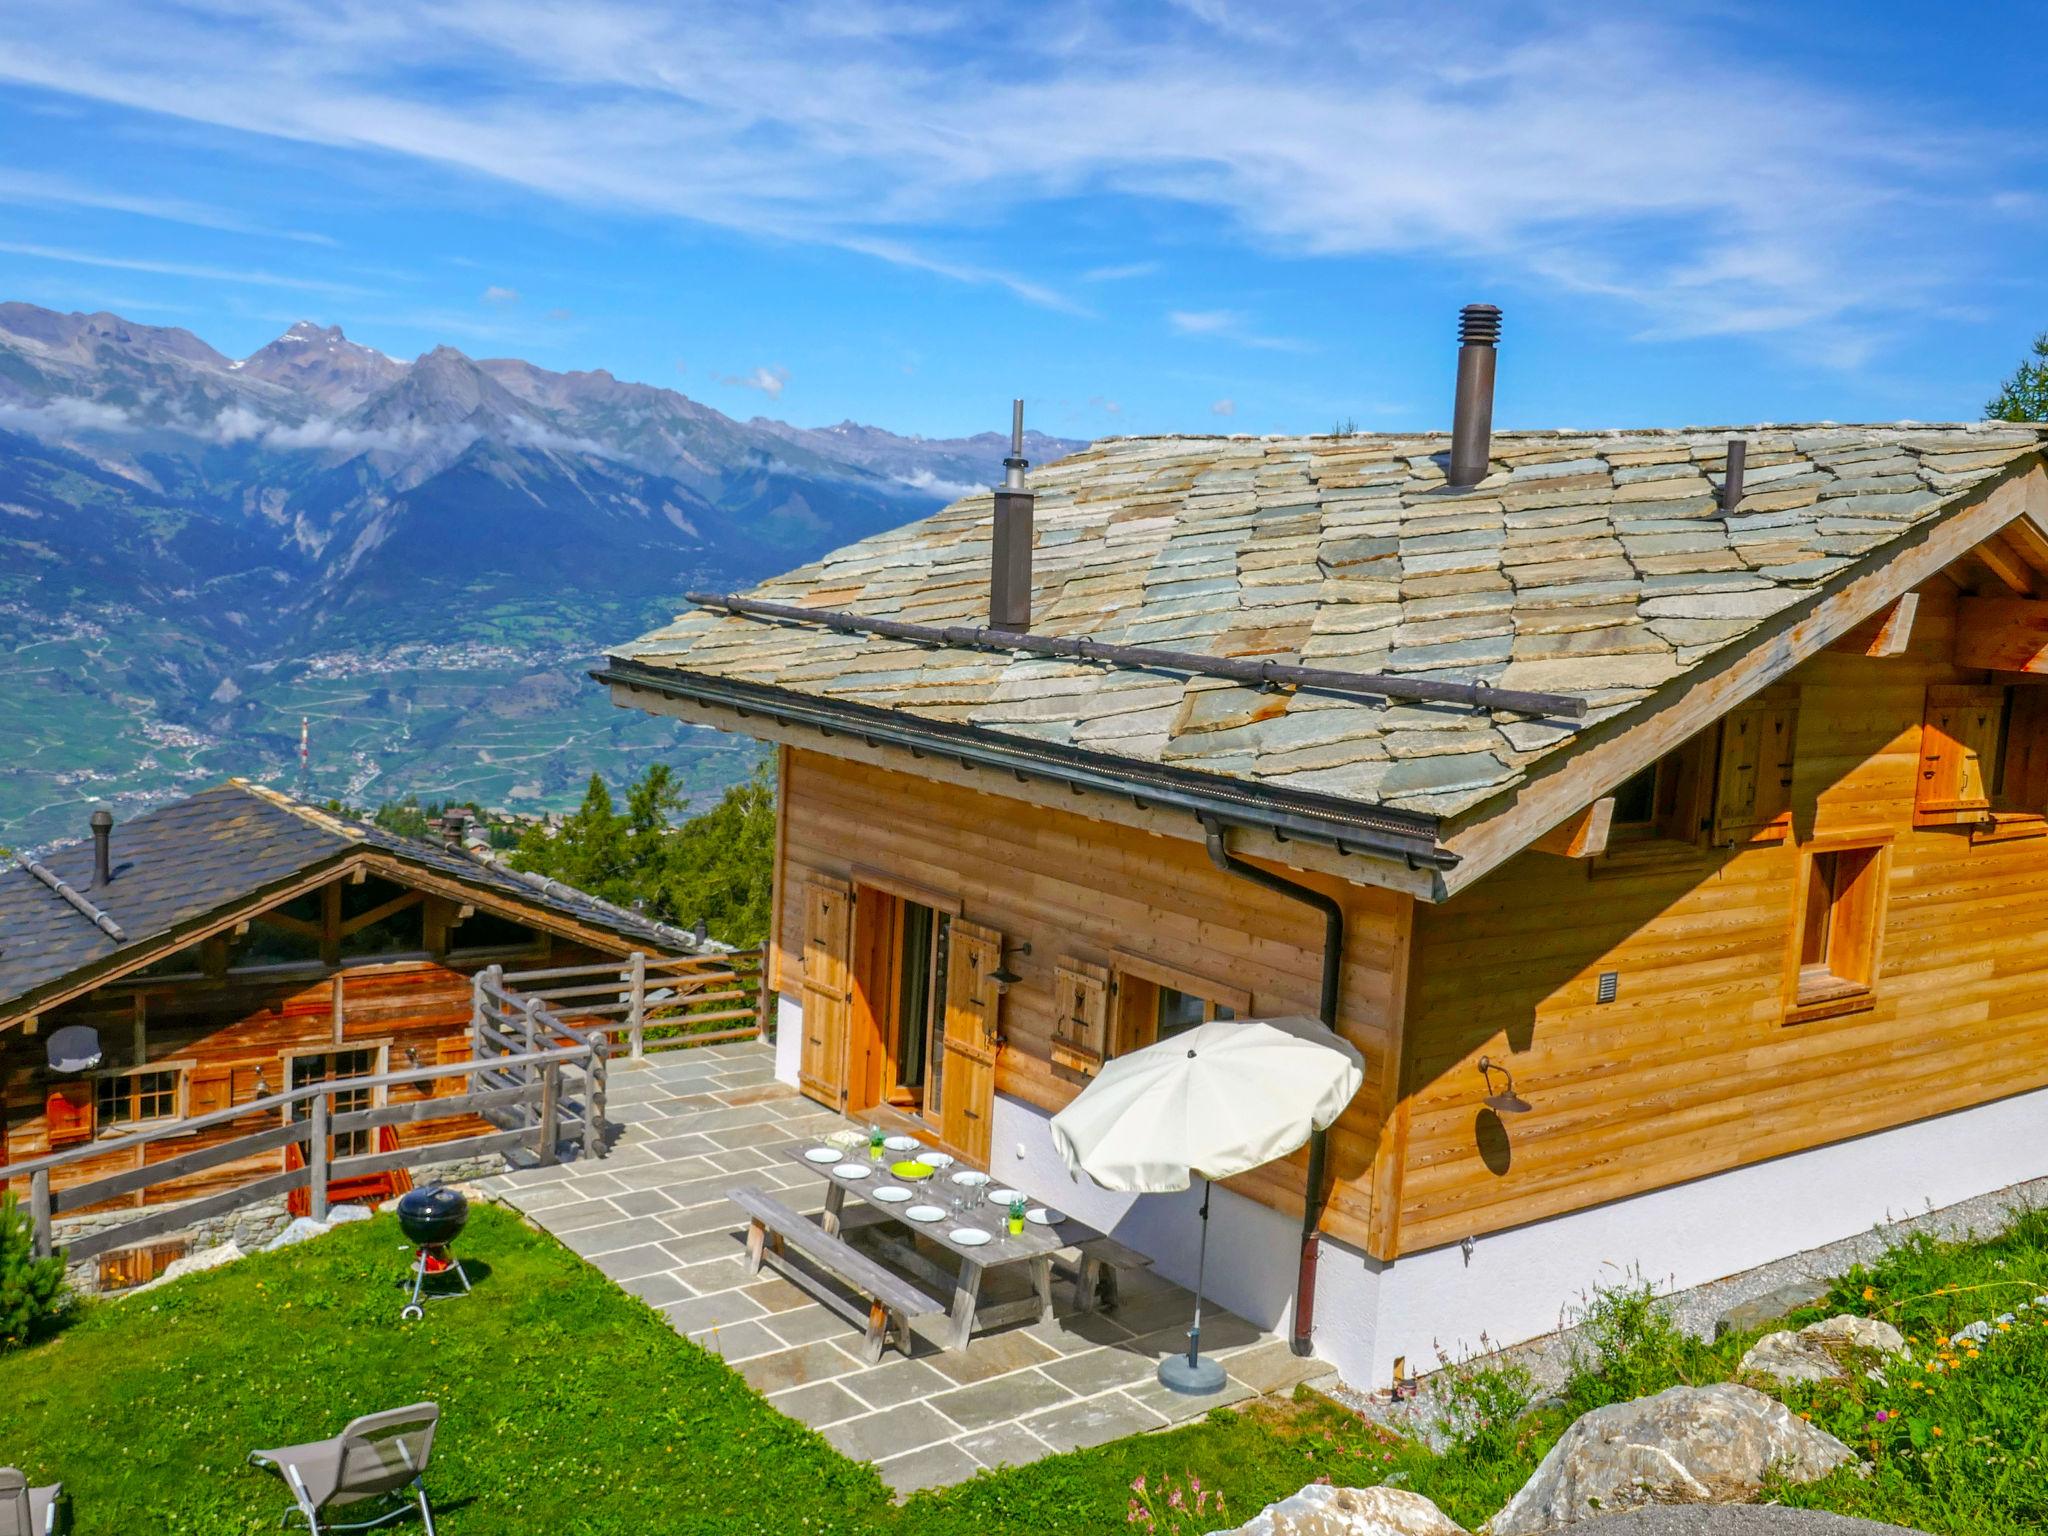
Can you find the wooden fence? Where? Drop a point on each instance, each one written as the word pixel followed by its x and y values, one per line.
pixel 655 1005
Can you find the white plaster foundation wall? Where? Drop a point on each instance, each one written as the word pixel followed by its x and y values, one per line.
pixel 1518 1282
pixel 789 1039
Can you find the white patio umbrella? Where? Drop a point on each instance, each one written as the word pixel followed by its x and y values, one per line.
pixel 1211 1101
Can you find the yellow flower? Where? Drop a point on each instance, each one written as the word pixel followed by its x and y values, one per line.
pixel 1935 1430
pixel 1870 1293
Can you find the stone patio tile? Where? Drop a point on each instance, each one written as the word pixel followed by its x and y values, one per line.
pixel 574 1217
pixel 1076 1333
pixel 808 1324
pixel 713 1276
pixel 1221 1335
pixel 885 1435
pixel 699 1313
pixel 935 1466
pixel 637 1089
pixel 773 1293
pixel 642 1202
pixel 1179 1407
pixel 703 1247
pixel 719 1118
pixel 752 1077
pixel 895 1380
pixel 1273 1366
pixel 658 1289
pixel 1093 1421
pixel 538 1197
pixel 651 1176
pixel 1101 1369
pixel 759 1092
pixel 743 1160
pixel 817 1361
pixel 811 1125
pixel 631 1263
pixel 773 1134
pixel 714 1216
pixel 1006 1445
pixel 737 1341
pixel 1000 1397
pixel 819 1404
pixel 992 1354
pixel 632 1232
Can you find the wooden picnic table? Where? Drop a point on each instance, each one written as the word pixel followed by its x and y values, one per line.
pixel 1035 1246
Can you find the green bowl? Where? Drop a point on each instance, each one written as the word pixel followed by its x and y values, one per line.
pixel 911 1169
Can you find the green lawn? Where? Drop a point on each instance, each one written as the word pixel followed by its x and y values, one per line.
pixel 568 1406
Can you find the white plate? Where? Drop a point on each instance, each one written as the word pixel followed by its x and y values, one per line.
pixel 900 1143
pixel 924 1213
pixel 968 1237
pixel 892 1193
pixel 852 1170
pixel 1042 1217
pixel 823 1155
pixel 938 1159
pixel 967 1178
pixel 1005 1196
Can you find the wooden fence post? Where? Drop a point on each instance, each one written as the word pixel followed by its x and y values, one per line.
pixel 39 1211
pixel 596 1069
pixel 316 1157
pixel 550 1109
pixel 636 1005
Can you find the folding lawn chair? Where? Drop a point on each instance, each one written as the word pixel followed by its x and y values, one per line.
pixel 382 1456
pixel 26 1511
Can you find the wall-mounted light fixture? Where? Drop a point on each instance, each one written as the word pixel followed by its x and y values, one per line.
pixel 412 1054
pixel 1002 975
pixel 1506 1101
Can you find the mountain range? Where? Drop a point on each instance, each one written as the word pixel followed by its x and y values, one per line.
pixel 198 553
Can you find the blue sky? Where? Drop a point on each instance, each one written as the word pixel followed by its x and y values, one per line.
pixel 1203 216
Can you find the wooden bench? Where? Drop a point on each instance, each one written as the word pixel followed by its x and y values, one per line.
pixel 773 1228
pixel 1095 1268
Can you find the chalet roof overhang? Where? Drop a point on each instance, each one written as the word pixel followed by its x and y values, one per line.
pixel 1406 839
pixel 1609 753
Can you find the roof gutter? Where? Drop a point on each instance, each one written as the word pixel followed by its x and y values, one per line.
pixel 1405 836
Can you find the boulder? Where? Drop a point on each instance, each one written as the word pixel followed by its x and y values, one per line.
pixel 341 1213
pixel 1323 1510
pixel 190 1264
pixel 1686 1445
pixel 302 1228
pixel 1818 1351
pixel 1770 1306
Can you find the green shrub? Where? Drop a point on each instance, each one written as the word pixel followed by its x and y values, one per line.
pixel 1629 1346
pixel 31 1289
pixel 1479 1406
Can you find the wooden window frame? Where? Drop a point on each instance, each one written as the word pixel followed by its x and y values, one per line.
pixel 1807 996
pixel 1136 976
pixel 181 1074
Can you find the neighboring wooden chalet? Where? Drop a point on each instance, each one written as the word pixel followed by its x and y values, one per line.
pixel 1726 948
pixel 239 944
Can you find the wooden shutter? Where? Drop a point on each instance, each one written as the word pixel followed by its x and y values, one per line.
pixel 448 1050
pixel 2024 777
pixel 828 931
pixel 1753 783
pixel 1958 753
pixel 972 1005
pixel 210 1089
pixel 1080 1025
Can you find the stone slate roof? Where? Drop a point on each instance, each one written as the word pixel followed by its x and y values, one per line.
pixel 216 849
pixel 1587 563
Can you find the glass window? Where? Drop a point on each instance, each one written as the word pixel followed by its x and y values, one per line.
pixel 1184 1010
pixel 485 931
pixel 400 931
pixel 135 1098
pixel 1840 924
pixel 324 1067
pixel 1635 803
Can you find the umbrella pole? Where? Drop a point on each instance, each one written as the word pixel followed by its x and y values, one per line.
pixel 1194 1375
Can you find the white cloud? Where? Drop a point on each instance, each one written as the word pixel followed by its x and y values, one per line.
pixel 1107 406
pixel 38 190
pixel 1118 274
pixel 769 381
pixel 60 418
pixel 1230 326
pixel 255 276
pixel 1686 173
pixel 1224 407
pixel 500 295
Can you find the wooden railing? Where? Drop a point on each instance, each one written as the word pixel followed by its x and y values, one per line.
pixel 520 1091
pixel 654 1005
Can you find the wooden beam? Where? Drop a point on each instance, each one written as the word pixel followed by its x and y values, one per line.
pixel 2006 565
pixel 1884 634
pixel 1581 836
pixel 2002 634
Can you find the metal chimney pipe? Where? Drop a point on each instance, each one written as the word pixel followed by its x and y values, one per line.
pixel 1472 413
pixel 102 847
pixel 1009 583
pixel 1731 479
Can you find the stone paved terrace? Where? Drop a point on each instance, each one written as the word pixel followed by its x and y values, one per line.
pixel 653 1216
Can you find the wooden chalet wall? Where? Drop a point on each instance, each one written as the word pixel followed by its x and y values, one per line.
pixel 1694 1068
pixel 1075 887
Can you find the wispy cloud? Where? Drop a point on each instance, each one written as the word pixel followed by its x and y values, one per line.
pixel 254 276
pixel 495 294
pixel 769 381
pixel 1696 188
pixel 1120 273
pixel 31 189
pixel 1229 325
pixel 1224 407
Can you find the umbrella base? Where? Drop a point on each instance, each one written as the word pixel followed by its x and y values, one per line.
pixel 1195 1378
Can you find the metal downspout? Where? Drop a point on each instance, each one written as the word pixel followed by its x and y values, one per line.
pixel 1318 1143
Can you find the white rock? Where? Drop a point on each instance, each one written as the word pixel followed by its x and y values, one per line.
pixel 190 1264
pixel 1851 1332
pixel 1686 1445
pixel 1816 1352
pixel 341 1213
pixel 299 1231
pixel 1323 1510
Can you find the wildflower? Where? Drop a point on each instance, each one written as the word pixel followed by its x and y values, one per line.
pixel 1935 1430
pixel 1137 1513
pixel 1138 1485
pixel 1870 1293
pixel 1173 1500
pixel 1882 1416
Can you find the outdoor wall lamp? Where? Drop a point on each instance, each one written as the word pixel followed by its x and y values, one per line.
pixel 1002 975
pixel 1507 1101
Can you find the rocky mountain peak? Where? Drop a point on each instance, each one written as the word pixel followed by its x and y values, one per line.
pixel 321 362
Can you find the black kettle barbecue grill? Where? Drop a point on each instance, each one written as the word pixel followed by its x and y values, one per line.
pixel 431 1219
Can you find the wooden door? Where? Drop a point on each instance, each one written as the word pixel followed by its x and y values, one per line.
pixel 972 1004
pixel 828 932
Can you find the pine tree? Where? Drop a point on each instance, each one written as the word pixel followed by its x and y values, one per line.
pixel 2024 396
